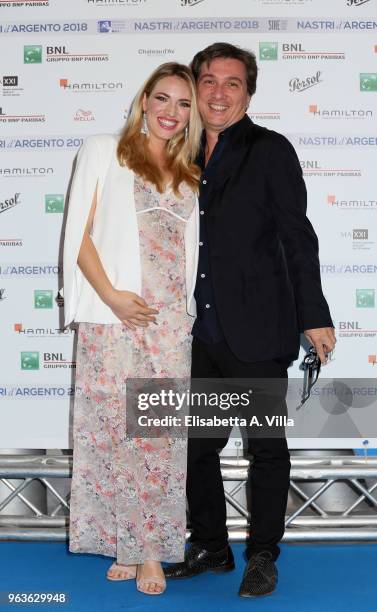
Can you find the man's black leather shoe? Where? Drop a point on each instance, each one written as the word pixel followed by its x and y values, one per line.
pixel 198 560
pixel 260 577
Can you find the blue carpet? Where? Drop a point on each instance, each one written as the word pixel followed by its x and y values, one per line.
pixel 311 578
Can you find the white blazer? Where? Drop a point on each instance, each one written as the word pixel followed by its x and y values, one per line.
pixel 114 234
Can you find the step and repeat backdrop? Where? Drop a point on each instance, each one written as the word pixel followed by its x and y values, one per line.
pixel 70 68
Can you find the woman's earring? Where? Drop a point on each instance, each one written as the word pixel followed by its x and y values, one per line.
pixel 186 132
pixel 144 126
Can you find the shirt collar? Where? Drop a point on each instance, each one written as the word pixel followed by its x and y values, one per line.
pixel 224 135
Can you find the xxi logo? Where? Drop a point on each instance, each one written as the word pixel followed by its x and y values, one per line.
pixel 9 81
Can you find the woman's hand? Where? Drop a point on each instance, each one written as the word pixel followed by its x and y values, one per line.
pixel 131 309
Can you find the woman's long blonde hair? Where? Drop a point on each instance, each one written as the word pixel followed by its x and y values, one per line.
pixel 181 149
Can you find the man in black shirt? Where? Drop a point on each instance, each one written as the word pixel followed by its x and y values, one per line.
pixel 258 287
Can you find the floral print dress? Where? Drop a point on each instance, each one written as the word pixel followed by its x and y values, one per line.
pixel 128 494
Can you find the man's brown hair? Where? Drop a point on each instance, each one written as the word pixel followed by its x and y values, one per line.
pixel 226 50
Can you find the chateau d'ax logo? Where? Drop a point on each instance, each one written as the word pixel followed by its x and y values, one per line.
pixel 298 84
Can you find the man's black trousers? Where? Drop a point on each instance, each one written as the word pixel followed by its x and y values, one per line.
pixel 268 476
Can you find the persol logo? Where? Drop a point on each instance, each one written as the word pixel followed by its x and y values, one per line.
pixel 356 2
pixel 190 2
pixel 10 202
pixel 298 84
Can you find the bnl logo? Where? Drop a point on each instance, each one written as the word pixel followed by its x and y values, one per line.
pixel 43 298
pixel 368 81
pixel 29 360
pixel 32 54
pixel 54 203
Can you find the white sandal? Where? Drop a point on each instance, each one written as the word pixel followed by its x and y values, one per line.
pixel 142 584
pixel 128 574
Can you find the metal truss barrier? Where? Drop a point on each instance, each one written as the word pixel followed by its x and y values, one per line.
pixel 308 518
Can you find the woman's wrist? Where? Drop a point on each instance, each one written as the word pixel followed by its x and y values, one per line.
pixel 109 296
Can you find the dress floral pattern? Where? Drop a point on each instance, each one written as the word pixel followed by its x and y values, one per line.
pixel 128 494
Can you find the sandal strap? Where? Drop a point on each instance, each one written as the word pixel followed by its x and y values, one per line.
pixel 152 579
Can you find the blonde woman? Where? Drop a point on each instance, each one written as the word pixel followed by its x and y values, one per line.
pixel 130 257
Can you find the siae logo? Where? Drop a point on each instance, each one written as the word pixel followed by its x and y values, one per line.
pixel 365 298
pixel 54 203
pixel 32 54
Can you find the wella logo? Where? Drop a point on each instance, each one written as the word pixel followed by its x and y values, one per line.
pixel 84 115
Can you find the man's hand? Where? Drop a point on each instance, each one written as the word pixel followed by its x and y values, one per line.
pixel 323 339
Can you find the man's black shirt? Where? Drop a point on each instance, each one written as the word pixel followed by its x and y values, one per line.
pixel 207 325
